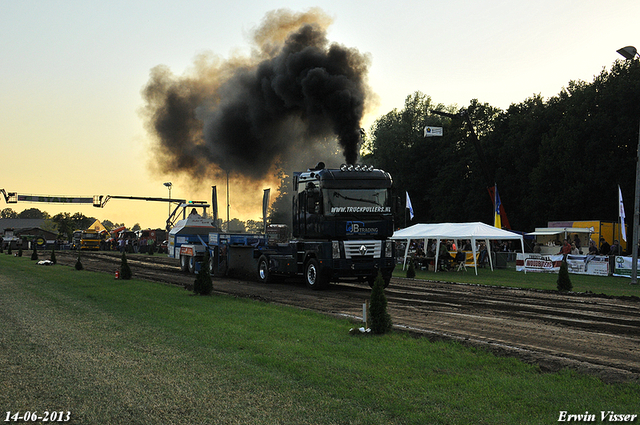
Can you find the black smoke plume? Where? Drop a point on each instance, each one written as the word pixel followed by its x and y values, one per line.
pixel 291 100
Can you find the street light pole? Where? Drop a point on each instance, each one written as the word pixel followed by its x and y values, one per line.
pixel 636 219
pixel 168 186
pixel 630 53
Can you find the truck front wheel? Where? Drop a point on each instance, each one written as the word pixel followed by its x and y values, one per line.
pixel 314 278
pixel 192 265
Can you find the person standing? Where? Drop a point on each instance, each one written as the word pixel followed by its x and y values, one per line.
pixel 604 246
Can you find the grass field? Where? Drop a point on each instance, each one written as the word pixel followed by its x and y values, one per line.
pixel 112 351
pixel 608 285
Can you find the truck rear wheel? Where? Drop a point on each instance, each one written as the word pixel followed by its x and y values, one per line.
pixel 184 266
pixel 313 277
pixel 192 264
pixel 264 275
pixel 212 265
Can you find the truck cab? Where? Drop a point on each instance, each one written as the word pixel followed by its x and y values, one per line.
pixel 342 219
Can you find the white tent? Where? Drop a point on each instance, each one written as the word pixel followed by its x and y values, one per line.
pixel 439 231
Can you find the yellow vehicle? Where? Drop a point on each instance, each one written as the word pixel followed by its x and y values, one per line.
pixel 86 239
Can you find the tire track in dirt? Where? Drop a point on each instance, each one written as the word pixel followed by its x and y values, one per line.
pixel 595 334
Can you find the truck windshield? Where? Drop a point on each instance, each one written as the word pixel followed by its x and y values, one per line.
pixel 337 201
pixel 90 236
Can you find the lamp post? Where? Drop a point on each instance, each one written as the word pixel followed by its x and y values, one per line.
pixel 630 53
pixel 168 186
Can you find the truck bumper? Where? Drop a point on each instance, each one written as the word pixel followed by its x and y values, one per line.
pixel 362 268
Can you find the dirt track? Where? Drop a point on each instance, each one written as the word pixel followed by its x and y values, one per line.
pixel 594 334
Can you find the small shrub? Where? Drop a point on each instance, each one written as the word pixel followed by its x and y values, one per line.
pixel 79 265
pixel 20 252
pixel 380 319
pixel 151 248
pixel 53 257
pixel 203 284
pixel 9 250
pixel 34 254
pixel 411 269
pixel 564 282
pixel 125 270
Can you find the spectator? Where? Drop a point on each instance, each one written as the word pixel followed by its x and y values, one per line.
pixel 593 250
pixel 615 248
pixel 444 258
pixel 577 241
pixel 565 249
pixel 574 249
pixel 483 257
pixel 604 246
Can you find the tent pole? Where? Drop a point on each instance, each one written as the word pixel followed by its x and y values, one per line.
pixel 406 252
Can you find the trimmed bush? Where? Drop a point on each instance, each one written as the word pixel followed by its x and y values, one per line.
pixel 411 269
pixel 380 319
pixel 79 265
pixel 125 270
pixel 203 284
pixel 53 257
pixel 34 254
pixel 564 282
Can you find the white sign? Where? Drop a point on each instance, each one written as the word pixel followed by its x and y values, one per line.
pixel 597 265
pixel 432 131
pixel 623 265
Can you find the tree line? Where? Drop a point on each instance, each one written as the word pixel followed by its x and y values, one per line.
pixel 560 159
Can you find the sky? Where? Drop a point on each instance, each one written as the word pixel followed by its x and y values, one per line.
pixel 72 73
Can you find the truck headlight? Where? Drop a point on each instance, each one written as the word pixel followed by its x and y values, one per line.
pixel 388 250
pixel 335 249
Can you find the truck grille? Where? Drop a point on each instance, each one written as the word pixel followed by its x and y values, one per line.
pixel 362 249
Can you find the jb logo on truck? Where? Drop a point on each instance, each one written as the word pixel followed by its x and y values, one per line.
pixel 358 228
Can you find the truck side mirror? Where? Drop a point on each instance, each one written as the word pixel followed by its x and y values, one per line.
pixel 313 198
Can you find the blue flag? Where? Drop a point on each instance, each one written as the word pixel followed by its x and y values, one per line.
pixel 410 207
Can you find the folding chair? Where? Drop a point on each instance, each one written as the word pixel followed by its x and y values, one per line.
pixel 461 260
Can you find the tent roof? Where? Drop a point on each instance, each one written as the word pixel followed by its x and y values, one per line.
pixel 552 231
pixel 474 230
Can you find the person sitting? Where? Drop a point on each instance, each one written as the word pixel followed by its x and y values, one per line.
pixel 593 250
pixel 461 259
pixel 615 248
pixel 444 258
pixel 483 257
pixel 574 249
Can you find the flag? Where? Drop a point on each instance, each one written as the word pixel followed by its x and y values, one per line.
pixel 622 215
pixel 497 222
pixel 410 207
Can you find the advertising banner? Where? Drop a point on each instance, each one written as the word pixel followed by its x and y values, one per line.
pixel 538 263
pixel 622 266
pixel 595 265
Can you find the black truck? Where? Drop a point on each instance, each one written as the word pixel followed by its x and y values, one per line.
pixel 342 219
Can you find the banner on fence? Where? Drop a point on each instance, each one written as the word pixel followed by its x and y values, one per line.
pixel 622 266
pixel 596 265
pixel 538 263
